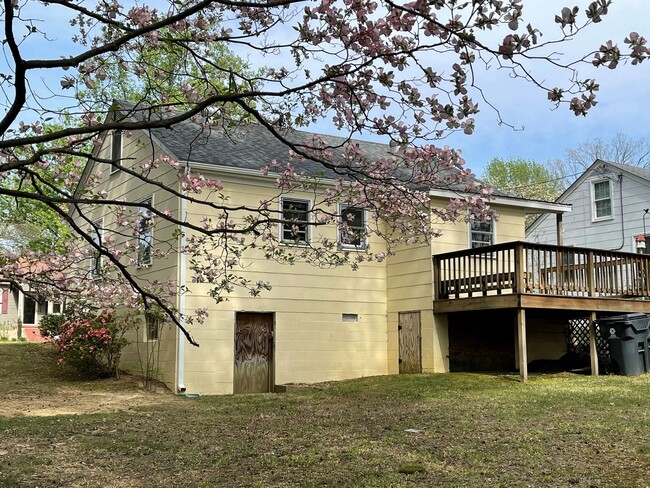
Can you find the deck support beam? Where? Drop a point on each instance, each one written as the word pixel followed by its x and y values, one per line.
pixel 522 346
pixel 593 350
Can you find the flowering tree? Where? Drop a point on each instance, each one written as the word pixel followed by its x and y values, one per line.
pixel 524 179
pixel 408 72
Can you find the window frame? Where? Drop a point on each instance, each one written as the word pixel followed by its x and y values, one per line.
pixel 142 236
pixel 470 233
pixel 116 151
pixel 307 221
pixel 26 300
pixel 594 202
pixel 363 240
pixel 96 259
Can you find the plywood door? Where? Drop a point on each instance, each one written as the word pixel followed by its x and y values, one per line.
pixel 253 353
pixel 410 349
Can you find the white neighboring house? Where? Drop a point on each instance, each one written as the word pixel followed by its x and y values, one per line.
pixel 611 210
pixel 19 311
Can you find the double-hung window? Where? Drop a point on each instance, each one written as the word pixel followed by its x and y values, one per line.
pixel 96 257
pixel 602 200
pixel 116 151
pixel 295 221
pixel 481 232
pixel 352 227
pixel 145 232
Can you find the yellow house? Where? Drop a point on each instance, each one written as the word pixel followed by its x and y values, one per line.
pixel 314 324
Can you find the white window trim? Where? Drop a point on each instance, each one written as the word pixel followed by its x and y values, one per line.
pixel 140 264
pixel 364 244
pixel 595 218
pixel 116 168
pixel 469 233
pixel 308 229
pixel 99 231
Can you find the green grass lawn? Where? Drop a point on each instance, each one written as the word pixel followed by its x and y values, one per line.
pixel 474 430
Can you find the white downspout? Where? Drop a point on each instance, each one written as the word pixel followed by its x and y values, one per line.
pixel 182 273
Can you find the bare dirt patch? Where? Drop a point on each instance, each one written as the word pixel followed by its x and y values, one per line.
pixel 75 401
pixel 41 388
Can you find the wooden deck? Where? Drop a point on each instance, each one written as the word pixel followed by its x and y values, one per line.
pixel 541 276
pixel 525 276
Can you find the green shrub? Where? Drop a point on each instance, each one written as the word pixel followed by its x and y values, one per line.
pixel 50 325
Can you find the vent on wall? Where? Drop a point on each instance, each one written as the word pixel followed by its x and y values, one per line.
pixel 349 317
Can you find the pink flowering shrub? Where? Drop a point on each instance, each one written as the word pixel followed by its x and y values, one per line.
pixel 92 345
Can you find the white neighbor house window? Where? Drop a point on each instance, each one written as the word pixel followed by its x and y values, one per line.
pixel 602 199
pixel 96 260
pixel 352 227
pixel 145 233
pixel 481 232
pixel 116 151
pixel 295 214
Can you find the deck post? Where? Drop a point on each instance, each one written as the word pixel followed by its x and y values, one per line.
pixel 520 267
pixel 591 271
pixel 558 227
pixel 593 350
pixel 521 340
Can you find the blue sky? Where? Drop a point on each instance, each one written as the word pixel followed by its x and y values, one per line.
pixel 545 133
pixel 624 98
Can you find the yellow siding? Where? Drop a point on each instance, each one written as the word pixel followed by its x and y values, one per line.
pixel 312 344
pixel 410 289
pixel 509 227
pixel 440 343
pixel 136 150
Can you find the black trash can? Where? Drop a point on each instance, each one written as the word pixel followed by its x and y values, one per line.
pixel 628 342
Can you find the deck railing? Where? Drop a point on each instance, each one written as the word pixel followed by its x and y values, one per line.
pixel 523 267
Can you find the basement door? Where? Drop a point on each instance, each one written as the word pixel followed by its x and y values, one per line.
pixel 253 353
pixel 410 343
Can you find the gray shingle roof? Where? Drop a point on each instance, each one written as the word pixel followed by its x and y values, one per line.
pixel 635 170
pixel 253 146
pixel 250 147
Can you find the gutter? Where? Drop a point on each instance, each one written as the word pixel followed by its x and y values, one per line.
pixel 536 206
pixel 182 274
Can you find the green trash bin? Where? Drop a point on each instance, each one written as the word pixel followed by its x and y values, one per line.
pixel 628 342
